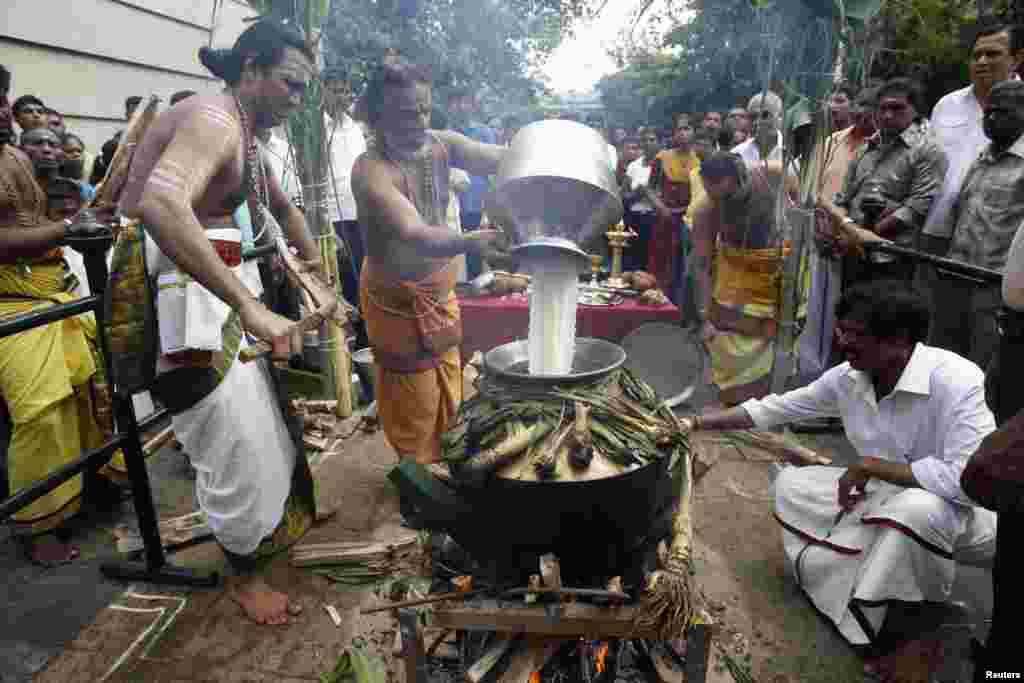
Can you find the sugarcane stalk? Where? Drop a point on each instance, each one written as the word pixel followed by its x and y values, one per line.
pixel 519 438
pixel 545 459
pixel 581 424
pixel 668 601
pixel 109 190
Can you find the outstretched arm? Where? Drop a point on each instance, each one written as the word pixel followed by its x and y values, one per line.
pixel 477 158
pixel 389 210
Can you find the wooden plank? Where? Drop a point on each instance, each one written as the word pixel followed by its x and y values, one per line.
pixel 175 532
pixel 530 658
pixel 569 619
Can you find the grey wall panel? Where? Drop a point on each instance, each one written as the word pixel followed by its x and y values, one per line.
pixel 121 31
pixel 87 91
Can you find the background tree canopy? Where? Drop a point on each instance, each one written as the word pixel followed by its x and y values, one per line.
pixel 723 51
pixel 493 47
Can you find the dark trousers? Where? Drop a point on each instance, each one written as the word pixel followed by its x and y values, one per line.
pixel 350 265
pixel 634 257
pixel 474 262
pixel 964 318
pixel 1001 652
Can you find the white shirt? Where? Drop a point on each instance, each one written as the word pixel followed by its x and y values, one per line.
pixel 639 173
pixel 751 153
pixel 614 154
pixel 347 143
pixel 278 156
pixel 957 126
pixel 933 420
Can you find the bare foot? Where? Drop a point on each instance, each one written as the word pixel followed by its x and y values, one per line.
pixel 914 662
pixel 260 602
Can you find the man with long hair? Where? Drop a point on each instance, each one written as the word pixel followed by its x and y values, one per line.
pixel 197 164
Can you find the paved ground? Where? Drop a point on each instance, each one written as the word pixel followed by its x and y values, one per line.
pixel 70 624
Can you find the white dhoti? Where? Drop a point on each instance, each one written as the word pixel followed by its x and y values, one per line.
pixel 238 442
pixel 236 436
pixel 897 545
pixel 815 343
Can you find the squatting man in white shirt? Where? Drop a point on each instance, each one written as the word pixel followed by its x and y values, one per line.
pixel 890 528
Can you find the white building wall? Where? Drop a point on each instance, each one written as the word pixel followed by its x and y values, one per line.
pixel 85 57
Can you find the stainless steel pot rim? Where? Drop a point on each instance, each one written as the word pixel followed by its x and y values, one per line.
pixel 603 356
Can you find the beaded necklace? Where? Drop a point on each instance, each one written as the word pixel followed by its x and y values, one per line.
pixel 257 190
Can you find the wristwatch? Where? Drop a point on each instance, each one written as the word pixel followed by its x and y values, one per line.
pixel 67 228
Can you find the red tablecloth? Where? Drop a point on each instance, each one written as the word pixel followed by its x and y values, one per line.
pixel 491 321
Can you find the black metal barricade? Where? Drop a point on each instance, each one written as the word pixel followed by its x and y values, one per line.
pixel 154 567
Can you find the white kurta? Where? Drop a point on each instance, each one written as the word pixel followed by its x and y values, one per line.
pixel 751 153
pixel 898 543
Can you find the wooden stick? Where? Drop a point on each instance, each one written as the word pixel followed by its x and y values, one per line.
pixel 109 190
pixel 342 366
pixel 440 597
pixel 530 659
pixel 260 349
pixel 551 571
pixel 780 446
pixel 437 641
pixel 302 404
pixel 158 441
pixel 489 659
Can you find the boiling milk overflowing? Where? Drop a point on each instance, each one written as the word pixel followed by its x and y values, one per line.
pixel 552 335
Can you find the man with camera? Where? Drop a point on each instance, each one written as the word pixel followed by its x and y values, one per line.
pixel 982 222
pixel 892 182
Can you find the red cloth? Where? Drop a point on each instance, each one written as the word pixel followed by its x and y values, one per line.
pixel 663 251
pixel 491 321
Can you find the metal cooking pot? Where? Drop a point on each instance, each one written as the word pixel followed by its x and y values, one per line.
pixel 557 181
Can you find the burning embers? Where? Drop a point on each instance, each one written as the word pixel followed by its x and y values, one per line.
pixel 547 632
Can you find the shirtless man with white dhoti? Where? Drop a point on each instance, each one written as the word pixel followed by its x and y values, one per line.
pixel 196 165
pixel 891 527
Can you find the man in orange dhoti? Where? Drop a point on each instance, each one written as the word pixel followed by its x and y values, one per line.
pixel 408 278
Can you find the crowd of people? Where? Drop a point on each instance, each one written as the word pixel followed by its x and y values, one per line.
pixel 896 351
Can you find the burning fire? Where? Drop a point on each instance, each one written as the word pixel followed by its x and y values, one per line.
pixel 599 656
pixel 535 677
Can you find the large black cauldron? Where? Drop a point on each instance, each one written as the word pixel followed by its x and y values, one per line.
pixel 598 528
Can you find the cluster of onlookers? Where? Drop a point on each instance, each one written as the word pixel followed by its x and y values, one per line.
pixel 67 170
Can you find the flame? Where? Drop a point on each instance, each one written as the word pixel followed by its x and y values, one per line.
pixel 535 677
pixel 599 655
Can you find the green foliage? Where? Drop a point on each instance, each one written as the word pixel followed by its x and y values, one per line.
pixel 492 47
pixel 356 666
pixel 727 51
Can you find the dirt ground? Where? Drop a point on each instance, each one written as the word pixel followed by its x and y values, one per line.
pixel 160 635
